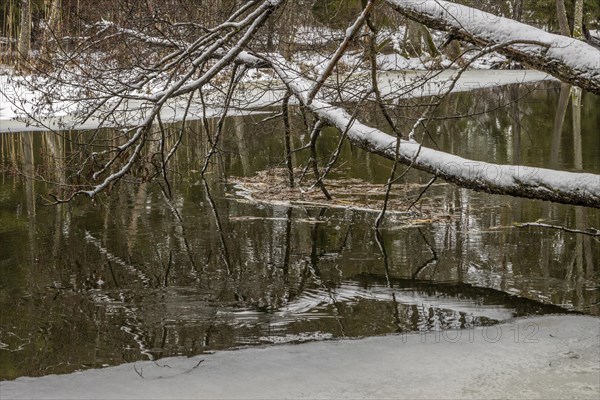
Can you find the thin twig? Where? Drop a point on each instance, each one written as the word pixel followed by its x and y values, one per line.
pixel 588 231
pixel 422 192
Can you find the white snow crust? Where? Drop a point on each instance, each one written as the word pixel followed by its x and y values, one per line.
pixel 550 357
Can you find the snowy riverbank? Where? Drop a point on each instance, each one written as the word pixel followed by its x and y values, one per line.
pixel 255 94
pixel 552 357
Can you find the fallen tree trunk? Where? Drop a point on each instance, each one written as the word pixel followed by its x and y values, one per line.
pixel 568 59
pixel 514 180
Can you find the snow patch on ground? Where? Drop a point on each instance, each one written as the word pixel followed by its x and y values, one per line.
pixel 18 102
pixel 544 357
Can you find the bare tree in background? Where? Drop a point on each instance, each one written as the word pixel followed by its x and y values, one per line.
pixel 561 12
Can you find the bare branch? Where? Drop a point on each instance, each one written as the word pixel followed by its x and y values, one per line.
pixel 351 33
pixel 588 231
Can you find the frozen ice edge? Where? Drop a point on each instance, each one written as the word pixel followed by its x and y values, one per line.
pixel 540 357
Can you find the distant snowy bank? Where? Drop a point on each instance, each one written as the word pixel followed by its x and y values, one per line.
pixel 257 90
pixel 551 357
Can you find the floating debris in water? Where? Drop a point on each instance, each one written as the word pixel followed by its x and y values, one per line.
pixel 272 187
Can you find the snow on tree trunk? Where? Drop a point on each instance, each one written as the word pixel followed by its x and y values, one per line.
pixel 517 10
pixel 561 13
pixel 53 24
pixel 25 26
pixel 568 59
pixel 433 51
pixel 515 180
pixel 413 42
pixel 54 16
pixel 578 20
pixel 576 92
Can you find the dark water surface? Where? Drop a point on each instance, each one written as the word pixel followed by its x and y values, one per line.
pixel 137 276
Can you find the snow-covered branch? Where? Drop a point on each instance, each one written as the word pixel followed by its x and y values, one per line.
pixel 514 180
pixel 148 39
pixel 568 59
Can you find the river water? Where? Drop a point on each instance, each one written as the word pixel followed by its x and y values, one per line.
pixel 138 275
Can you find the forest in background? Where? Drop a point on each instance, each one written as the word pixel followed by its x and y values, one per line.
pixel 42 25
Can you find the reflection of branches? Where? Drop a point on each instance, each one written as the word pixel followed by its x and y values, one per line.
pixel 184 237
pixel 168 269
pixel 314 233
pixel 140 336
pixel 347 234
pixel 110 256
pixel 288 250
pixel 285 114
pixel 479 295
pixel 434 256
pixel 336 154
pixel 559 119
pixel 386 268
pixel 132 324
pixel 313 157
pixel 314 269
pixel 165 160
pixel 219 226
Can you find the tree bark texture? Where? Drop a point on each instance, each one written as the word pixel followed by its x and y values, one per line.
pixel 578 20
pixel 25 32
pixel 561 14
